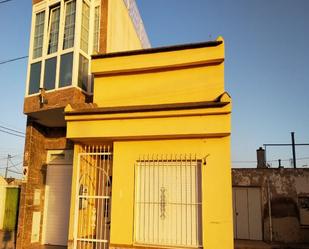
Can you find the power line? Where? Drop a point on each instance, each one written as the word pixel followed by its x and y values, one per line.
pixel 273 160
pixel 10 133
pixel 10 129
pixel 14 59
pixel 17 155
pixel 13 171
pixel 12 166
pixel 5 1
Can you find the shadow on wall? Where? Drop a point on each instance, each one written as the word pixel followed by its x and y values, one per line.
pixel 285 219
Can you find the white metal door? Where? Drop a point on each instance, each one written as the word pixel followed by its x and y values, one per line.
pixel 247 213
pixel 58 193
pixel 93 199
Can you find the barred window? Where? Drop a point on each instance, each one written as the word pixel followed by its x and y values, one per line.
pixel 168 202
pixel 85 28
pixel 54 30
pixel 38 34
pixel 69 27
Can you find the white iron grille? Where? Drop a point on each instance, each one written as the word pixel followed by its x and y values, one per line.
pixel 168 201
pixel 93 202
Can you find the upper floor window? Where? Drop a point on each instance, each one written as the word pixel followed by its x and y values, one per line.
pixel 69 27
pixel 54 30
pixel 38 35
pixel 61 49
pixel 35 75
pixel 96 30
pixel 85 28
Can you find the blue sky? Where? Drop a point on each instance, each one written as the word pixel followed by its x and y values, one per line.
pixel 266 68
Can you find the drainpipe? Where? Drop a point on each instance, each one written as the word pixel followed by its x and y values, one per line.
pixel 269 212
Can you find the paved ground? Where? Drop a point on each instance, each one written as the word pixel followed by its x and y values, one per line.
pixel 53 247
pixel 247 244
pixel 7 242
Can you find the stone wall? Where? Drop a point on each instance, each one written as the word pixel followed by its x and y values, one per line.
pixel 285 187
pixel 39 139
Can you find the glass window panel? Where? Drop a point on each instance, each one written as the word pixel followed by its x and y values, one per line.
pixel 54 30
pixel 69 27
pixel 83 72
pixel 35 75
pixel 38 35
pixel 66 66
pixel 50 73
pixel 85 28
pixel 96 30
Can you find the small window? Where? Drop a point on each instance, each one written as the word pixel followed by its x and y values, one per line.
pixel 66 66
pixel 96 30
pixel 83 73
pixel 69 27
pixel 50 73
pixel 38 35
pixel 35 75
pixel 54 30
pixel 85 28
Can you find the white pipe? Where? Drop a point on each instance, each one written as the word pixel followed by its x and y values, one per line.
pixel 269 212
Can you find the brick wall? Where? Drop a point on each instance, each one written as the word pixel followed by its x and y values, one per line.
pixel 36 1
pixel 38 140
pixel 103 27
pixel 55 99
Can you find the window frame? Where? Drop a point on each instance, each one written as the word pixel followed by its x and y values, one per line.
pixel 52 8
pixel 47 6
pixel 96 50
pixel 169 166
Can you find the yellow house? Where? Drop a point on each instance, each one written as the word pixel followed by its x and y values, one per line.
pixel 151 163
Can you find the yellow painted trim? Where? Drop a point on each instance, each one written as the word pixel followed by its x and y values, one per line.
pixel 167 60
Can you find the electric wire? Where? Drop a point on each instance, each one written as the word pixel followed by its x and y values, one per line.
pixel 10 133
pixel 12 166
pixel 10 129
pixel 6 157
pixel 13 171
pixel 14 59
pixel 5 1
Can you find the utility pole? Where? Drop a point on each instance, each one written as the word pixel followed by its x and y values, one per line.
pixel 7 166
pixel 293 150
pixel 292 144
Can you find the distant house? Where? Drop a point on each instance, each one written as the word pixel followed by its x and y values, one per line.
pixel 3 185
pixel 9 200
pixel 271 204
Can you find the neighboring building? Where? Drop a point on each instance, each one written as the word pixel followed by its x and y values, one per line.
pixel 9 199
pixel 271 204
pixel 152 152
pixel 64 35
pixel 3 185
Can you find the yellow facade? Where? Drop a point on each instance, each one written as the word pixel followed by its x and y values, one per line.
pixel 121 33
pixel 160 102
